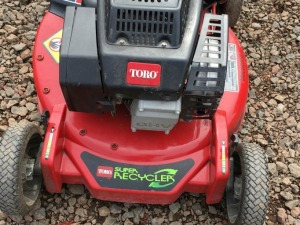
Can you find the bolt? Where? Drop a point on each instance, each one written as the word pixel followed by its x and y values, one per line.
pixel 40 57
pixel 82 132
pixel 114 146
pixel 46 90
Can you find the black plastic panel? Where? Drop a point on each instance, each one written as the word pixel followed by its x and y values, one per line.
pixel 80 74
pixel 175 62
pixel 146 23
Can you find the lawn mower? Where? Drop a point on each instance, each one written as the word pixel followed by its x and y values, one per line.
pixel 141 101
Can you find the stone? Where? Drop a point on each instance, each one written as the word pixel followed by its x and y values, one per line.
pixel 26 54
pixel 10 29
pixel 30 106
pixel 295 212
pixel 295 170
pixel 174 207
pixel 72 201
pixel 292 204
pixel 103 211
pixel 23 70
pixel 19 47
pixel 287 195
pixel 115 209
pixel 110 221
pixel 40 214
pixel 291 121
pixel 76 189
pixel 273 169
pixel 21 111
pixel 9 91
pixel 157 221
pixel 282 216
pixel 256 25
pixel 12 38
pixel 127 215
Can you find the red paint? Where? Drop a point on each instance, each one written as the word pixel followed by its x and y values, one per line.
pixel 143 74
pixel 200 140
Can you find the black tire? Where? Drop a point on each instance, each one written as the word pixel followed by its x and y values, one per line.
pixel 233 9
pixel 247 190
pixel 19 149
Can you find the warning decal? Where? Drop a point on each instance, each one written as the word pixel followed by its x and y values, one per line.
pixel 52 44
pixel 232 76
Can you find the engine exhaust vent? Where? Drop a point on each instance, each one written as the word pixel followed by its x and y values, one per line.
pixel 158 23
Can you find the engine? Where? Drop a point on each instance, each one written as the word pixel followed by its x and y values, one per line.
pixel 147 55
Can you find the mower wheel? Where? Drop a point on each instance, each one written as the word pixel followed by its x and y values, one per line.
pixel 247 188
pixel 233 9
pixel 20 174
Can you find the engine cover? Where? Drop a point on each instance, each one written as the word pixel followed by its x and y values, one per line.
pixel 146 23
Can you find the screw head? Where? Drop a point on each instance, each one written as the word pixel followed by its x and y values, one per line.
pixel 40 57
pixel 82 132
pixel 46 90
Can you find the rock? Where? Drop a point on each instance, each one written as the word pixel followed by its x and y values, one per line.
pixel 273 169
pixel 295 170
pixel 26 54
pixel 257 81
pixel 110 221
pixel 127 215
pixel 128 222
pixel 30 106
pixel 279 98
pixel 256 25
pixel 281 167
pixel 76 189
pixel 176 223
pixel 103 211
pixel 275 69
pixel 2 215
pixel 197 209
pixel 10 29
pixel 40 214
pixel 157 221
pixel 82 200
pixel 174 207
pixel 272 102
pixel 212 210
pixel 9 91
pixel 12 38
pixel 291 121
pixel 115 209
pixel 72 201
pixel 23 70
pixel 292 204
pixel 282 216
pixel 80 212
pixel 19 47
pixel 287 195
pixel 11 103
pixel 21 111
pixel 29 90
pixel 295 212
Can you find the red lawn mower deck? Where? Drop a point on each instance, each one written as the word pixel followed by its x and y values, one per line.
pixel 123 141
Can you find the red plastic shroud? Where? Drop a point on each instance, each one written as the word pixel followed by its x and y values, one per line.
pixel 111 137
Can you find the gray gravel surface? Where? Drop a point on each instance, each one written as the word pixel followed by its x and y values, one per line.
pixel 269 31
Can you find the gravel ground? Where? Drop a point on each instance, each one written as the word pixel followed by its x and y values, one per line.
pixel 269 31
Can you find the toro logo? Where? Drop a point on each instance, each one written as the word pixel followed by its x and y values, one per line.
pixel 105 171
pixel 143 74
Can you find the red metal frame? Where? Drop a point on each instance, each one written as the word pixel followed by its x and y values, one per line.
pixel 70 133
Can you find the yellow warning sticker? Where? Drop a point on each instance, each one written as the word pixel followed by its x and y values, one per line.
pixel 52 44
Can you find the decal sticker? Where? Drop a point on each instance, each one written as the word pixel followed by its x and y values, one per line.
pixel 232 76
pixel 49 144
pixel 112 174
pixel 52 44
pixel 223 157
pixel 77 2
